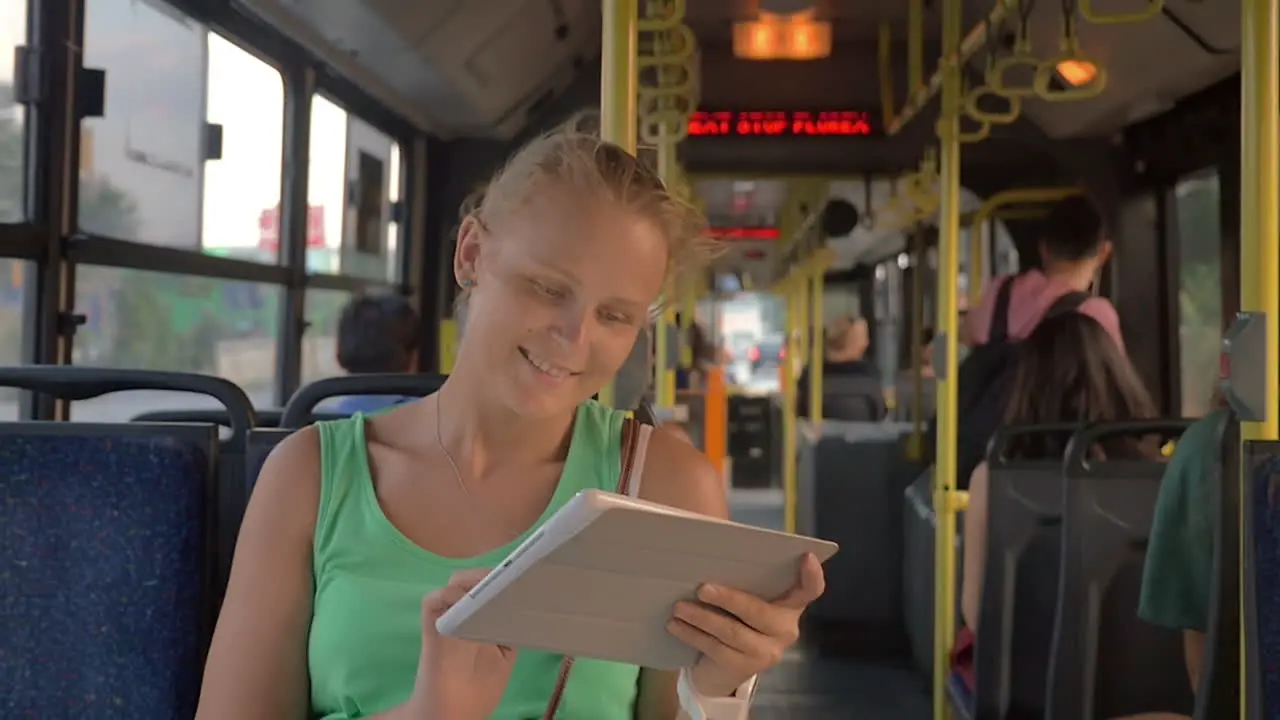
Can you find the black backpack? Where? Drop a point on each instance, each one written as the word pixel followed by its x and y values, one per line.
pixel 985 379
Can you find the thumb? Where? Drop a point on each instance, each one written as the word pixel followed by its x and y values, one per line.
pixel 810 585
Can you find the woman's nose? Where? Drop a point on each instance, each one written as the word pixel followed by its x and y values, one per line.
pixel 570 325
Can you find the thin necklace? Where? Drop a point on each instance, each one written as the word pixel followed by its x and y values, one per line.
pixel 457 474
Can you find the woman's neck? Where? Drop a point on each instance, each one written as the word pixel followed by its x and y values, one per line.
pixel 483 434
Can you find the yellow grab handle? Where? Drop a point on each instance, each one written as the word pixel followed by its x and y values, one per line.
pixel 996 73
pixel 989 117
pixel 1043 84
pixel 1154 8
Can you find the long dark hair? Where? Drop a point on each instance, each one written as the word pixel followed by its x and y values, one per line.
pixel 1069 370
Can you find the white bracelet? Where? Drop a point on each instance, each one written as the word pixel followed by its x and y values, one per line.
pixel 700 707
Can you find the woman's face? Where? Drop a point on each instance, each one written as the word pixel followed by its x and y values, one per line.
pixel 562 287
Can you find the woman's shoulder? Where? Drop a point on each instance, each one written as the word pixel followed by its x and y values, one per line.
pixel 679 475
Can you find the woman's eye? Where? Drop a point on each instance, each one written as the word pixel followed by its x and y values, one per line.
pixel 547 290
pixel 613 317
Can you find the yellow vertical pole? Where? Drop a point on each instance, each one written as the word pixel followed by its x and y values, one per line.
pixel 791 295
pixel 915 446
pixel 618 81
pixel 1259 224
pixel 817 349
pixel 664 392
pixel 944 476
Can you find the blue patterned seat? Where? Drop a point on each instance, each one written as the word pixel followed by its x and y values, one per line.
pixel 107 542
pixel 1263 614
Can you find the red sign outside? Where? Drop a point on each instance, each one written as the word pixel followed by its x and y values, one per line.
pixel 269 228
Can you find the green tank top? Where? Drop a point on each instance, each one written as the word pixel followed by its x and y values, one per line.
pixel 370 580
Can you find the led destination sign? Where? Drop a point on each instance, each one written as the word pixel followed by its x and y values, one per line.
pixel 780 123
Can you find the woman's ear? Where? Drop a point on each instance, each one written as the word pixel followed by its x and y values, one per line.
pixel 467 250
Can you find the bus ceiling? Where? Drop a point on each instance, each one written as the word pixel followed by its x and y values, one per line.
pixel 476 69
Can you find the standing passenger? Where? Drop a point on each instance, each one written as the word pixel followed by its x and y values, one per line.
pixel 354 522
pixel 1073 250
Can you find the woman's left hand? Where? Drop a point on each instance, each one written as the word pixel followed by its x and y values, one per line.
pixel 751 638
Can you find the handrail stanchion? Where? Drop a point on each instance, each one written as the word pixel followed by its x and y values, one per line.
pixel 618 80
pixel 1259 229
pixel 817 346
pixel 944 475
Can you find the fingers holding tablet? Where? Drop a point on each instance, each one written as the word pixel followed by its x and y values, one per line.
pixel 740 635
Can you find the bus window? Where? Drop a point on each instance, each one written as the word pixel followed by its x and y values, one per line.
pixel 13 32
pixel 162 321
pixel 320 341
pixel 352 183
pixel 1199 290
pixel 140 164
pixel 242 188
pixel 13 274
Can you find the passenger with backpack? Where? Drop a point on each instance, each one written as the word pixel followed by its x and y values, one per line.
pixel 1073 250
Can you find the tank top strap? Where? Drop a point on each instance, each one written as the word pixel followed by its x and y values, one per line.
pixel 344 465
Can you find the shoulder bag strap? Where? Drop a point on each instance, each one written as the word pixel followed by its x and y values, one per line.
pixel 630 442
pixel 999 331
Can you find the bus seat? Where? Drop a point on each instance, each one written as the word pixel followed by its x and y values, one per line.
pixel 269 417
pixel 108 537
pixel 1218 695
pixel 299 411
pixel 1262 578
pixel 1107 662
pixel 237 414
pixel 261 442
pixel 852 477
pixel 919 529
pixel 1020 575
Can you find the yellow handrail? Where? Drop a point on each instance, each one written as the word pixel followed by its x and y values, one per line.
pixel 1154 8
pixel 967 48
pixel 1259 254
pixel 618 79
pixel 944 474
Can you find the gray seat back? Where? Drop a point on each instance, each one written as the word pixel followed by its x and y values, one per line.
pixel 1106 661
pixel 1020 576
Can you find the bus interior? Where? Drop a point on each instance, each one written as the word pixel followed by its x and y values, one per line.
pixel 191 190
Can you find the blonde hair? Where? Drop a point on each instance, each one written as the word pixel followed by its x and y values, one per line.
pixel 574 156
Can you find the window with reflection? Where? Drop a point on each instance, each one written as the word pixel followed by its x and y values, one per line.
pixel 14 275
pixel 161 321
pixel 320 341
pixel 13 184
pixel 188 152
pixel 1198 214
pixel 353 185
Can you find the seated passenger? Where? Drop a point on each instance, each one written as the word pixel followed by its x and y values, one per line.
pixel 377 334
pixel 1074 249
pixel 851 388
pixel 1178 576
pixel 362 532
pixel 1069 371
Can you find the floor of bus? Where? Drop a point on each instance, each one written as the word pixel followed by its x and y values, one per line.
pixel 832 683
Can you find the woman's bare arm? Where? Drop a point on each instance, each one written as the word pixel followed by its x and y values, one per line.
pixel 675 474
pixel 257 666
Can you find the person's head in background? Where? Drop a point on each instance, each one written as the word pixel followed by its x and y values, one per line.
pixel 378 334
pixel 847 339
pixel 560 261
pixel 1075 244
pixel 1070 371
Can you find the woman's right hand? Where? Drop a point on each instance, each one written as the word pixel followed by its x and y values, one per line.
pixel 457 679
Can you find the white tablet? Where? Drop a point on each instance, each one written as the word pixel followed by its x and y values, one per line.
pixel 601 578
